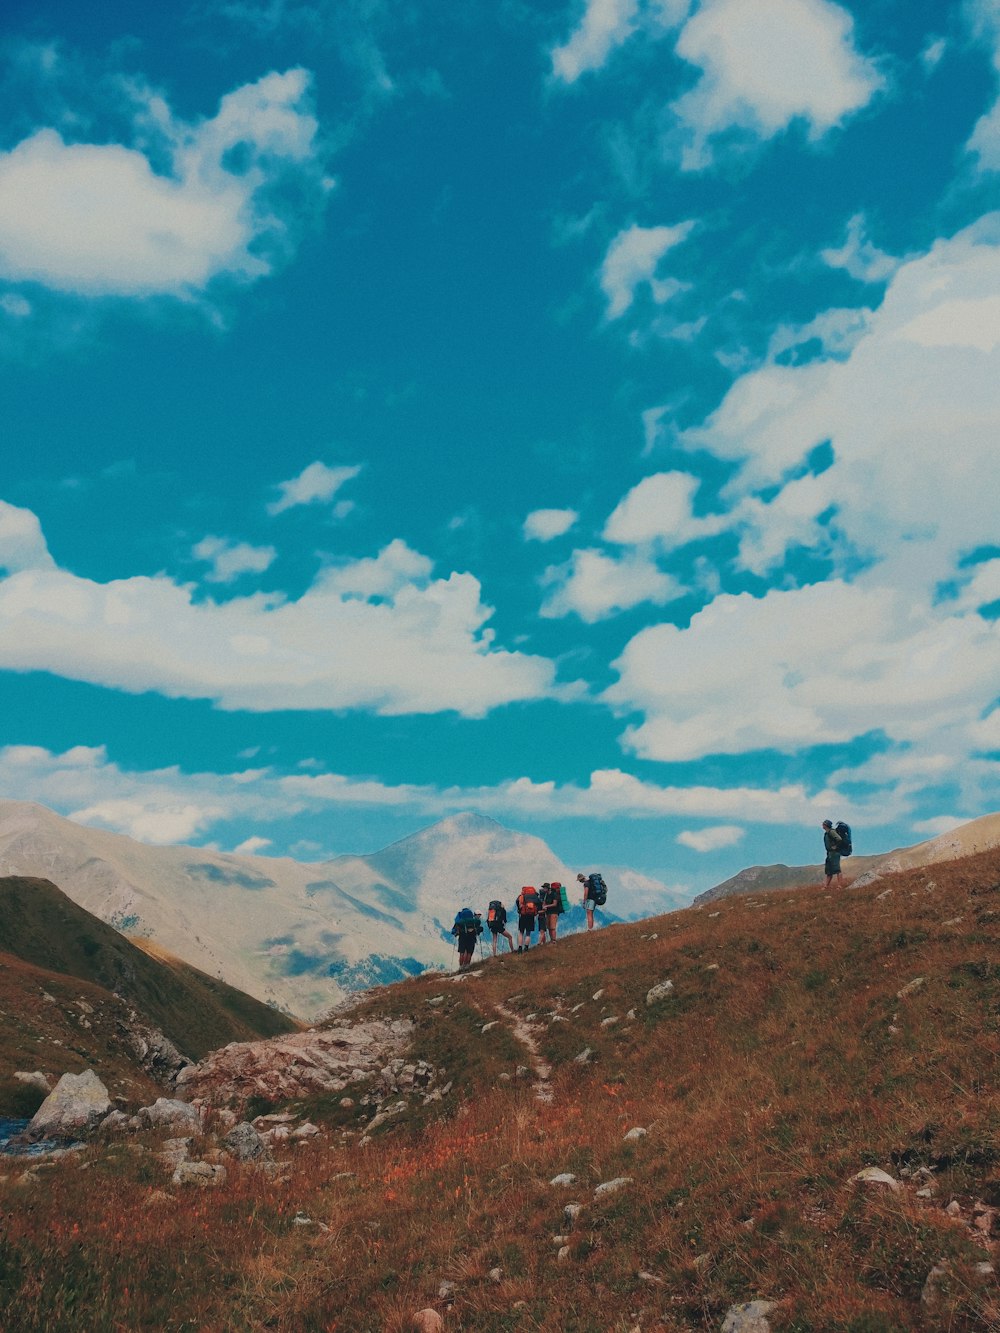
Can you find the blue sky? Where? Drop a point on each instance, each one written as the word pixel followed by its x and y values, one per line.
pixel 585 413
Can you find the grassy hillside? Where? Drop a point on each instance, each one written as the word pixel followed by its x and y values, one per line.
pixel 41 926
pixel 807 1036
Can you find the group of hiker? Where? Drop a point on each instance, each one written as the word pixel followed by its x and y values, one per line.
pixel 533 907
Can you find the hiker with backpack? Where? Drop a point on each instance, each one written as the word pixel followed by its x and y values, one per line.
pixel 467 929
pixel 595 894
pixel 552 907
pixel 836 843
pixel 527 904
pixel 496 919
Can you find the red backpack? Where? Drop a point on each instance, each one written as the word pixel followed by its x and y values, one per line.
pixel 528 902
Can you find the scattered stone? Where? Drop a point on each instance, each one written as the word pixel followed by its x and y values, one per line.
pixel 36 1079
pixel 650 1277
pixel 495 1274
pixel 612 1186
pixel 609 1022
pixel 712 967
pixel 571 1212
pixel 174 1151
pixel 198 1173
pixel 635 1134
pixel 302 1220
pixel 347 1102
pixel 522 1071
pixel 168 1112
pixel 659 992
pixel 309 1130
pixel 114 1122
pixel 563 1254
pixel 426 1321
pixel 77 1104
pixel 713 914
pixel 748 1317
pixel 245 1144
pixel 487 1027
pixel 559 1241
pixel 954 1209
pixel 952 921
pixel 910 987
pixel 597 994
pixel 874 1175
pixel 701 1261
pixel 584 1057
pixel 564 1178
pixel 446 1291
pixel 631 1015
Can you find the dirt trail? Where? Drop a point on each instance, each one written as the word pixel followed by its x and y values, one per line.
pixel 522 1031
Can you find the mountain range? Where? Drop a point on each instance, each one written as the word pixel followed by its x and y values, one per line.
pixel 298 935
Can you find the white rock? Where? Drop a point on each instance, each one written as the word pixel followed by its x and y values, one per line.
pixel 495 1274
pixel 563 1254
pixel 749 1317
pixel 612 1186
pixel 77 1104
pixel 198 1173
pixel 609 1022
pixel 874 1175
pixel 910 987
pixel 571 1212
pixel 597 994
pixel 659 992
pixel 584 1057
pixel 564 1178
pixel 426 1321
pixel 637 1133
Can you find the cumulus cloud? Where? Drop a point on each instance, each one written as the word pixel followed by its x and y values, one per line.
pixel 604 25
pixel 984 142
pixel 22 545
pixel 859 257
pixel 380 634
pixel 103 219
pixel 632 259
pixel 765 63
pixel 594 585
pixel 660 509
pixel 228 559
pixel 168 805
pixel 316 484
pixel 543 525
pixel 711 839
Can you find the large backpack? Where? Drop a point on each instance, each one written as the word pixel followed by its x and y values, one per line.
pixel 597 889
pixel 843 832
pixel 465 922
pixel 563 895
pixel 528 901
pixel 496 914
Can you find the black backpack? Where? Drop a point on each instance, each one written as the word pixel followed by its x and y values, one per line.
pixel 496 914
pixel 843 832
pixel 597 889
pixel 465 922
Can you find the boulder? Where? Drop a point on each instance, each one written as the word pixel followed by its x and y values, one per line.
pixel 634 1134
pixel 168 1112
pixel 659 992
pixel 427 1321
pixel 612 1186
pixel 198 1173
pixel 564 1178
pixel 245 1144
pixel 748 1317
pixel 76 1105
pixel 874 1175
pixel 34 1079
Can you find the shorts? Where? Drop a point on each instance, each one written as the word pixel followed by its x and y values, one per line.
pixel 467 942
pixel 591 905
pixel 526 924
pixel 497 927
pixel 831 866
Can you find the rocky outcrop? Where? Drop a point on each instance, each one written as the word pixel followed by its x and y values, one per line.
pixel 323 1060
pixel 77 1105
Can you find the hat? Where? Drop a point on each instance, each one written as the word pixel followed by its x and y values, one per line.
pixel 828 823
pixel 582 878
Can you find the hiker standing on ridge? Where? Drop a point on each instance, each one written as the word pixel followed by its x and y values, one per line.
pixel 595 894
pixel 551 907
pixel 467 929
pixel 496 919
pixel 527 910
pixel 832 844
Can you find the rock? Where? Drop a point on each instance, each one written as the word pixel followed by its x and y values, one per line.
pixel 565 1178
pixel 77 1105
pixel 36 1079
pixel 157 1197
pixel 346 1103
pixel 612 1186
pixel 635 1134
pixel 435 999
pixel 302 1220
pixel 749 1317
pixel 651 1277
pixel 910 987
pixel 446 1291
pixel 495 1274
pixel 571 1212
pixel 584 1057
pixel 874 1175
pixel 114 1122
pixel 659 992
pixel 245 1144
pixel 426 1321
pixel 563 1254
pixel 608 1022
pixel 597 994
pixel 631 1015
pixel 560 1240
pixel 308 1130
pixel 488 1027
pixel 198 1173
pixel 168 1112
pixel 954 1209
pixel 174 1151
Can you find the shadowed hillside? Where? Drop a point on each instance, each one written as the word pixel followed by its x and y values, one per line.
pixel 41 926
pixel 803 1038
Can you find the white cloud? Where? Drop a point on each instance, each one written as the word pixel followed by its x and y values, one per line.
pixel 931 828
pixel 933 52
pixel 229 559
pixel 594 585
pixel 660 509
pixel 99 219
pixel 632 259
pixel 22 545
pixel 711 839
pixel 984 142
pixel 15 305
pixel 801 667
pixel 766 63
pixel 315 484
pixel 251 846
pixel 543 525
pixel 605 25
pixel 380 634
pixel 859 257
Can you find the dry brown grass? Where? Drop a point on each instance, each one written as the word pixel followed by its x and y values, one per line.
pixel 765 1081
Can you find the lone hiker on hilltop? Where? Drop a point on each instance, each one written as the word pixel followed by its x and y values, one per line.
pixel 595 894
pixel 467 929
pixel 833 845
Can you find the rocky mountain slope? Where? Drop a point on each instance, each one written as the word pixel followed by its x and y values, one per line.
pixel 295 934
pixel 976 836
pixel 774 1113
